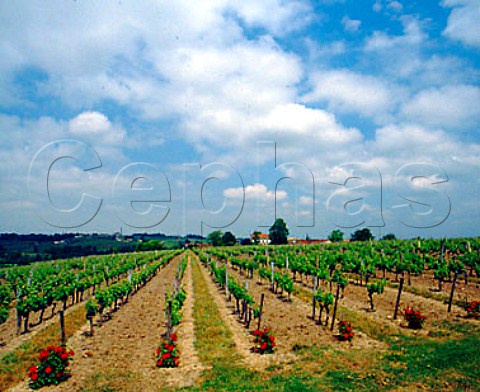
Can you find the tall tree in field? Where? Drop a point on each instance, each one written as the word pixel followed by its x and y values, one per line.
pixel 362 235
pixel 256 237
pixel 278 233
pixel 336 236
pixel 389 237
pixel 229 239
pixel 215 238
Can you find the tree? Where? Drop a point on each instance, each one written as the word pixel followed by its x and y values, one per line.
pixel 215 238
pixel 389 237
pixel 256 237
pixel 336 236
pixel 228 239
pixel 246 241
pixel 150 245
pixel 362 235
pixel 278 233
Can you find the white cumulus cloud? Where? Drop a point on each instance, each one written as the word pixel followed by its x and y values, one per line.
pixel 350 92
pixel 454 106
pixel 463 22
pixel 256 191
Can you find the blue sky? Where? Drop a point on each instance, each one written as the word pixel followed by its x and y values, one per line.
pixel 183 117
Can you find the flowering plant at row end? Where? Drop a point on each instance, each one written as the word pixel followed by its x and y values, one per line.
pixel 52 368
pixel 346 331
pixel 264 341
pixel 414 318
pixel 473 308
pixel 167 354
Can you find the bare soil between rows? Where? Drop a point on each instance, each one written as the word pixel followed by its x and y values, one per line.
pixel 290 322
pixel 121 354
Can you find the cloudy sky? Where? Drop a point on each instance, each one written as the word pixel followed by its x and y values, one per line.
pixel 185 116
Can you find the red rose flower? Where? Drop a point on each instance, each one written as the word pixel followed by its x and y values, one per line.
pixel 173 337
pixel 43 355
pixel 263 346
pixel 64 357
pixel 48 370
pixel 158 351
pixel 166 356
pixel 345 335
pixel 160 363
pixel 59 375
pixel 34 376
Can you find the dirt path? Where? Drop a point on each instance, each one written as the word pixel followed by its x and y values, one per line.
pixel 121 354
pixel 427 284
pixel 190 368
pixel 355 297
pixel 291 321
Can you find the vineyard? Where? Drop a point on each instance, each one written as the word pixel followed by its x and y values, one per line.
pixel 381 315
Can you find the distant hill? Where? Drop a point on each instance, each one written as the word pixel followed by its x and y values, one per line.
pixel 20 249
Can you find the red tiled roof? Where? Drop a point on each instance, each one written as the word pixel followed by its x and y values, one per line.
pixel 261 236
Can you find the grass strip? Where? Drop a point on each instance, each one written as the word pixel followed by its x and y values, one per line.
pixel 447 364
pixel 214 340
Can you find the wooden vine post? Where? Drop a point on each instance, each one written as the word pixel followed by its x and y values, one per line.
pixel 227 292
pixel 19 321
pixel 62 329
pixel 397 303
pixel 314 302
pixel 90 323
pixel 452 292
pixel 169 318
pixel 335 307
pixel 260 311
pixel 272 285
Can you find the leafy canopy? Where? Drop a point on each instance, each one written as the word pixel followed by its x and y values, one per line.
pixel 278 233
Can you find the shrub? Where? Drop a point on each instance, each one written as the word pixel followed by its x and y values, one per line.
pixel 414 318
pixel 473 308
pixel 346 331
pixel 167 354
pixel 264 341
pixel 52 368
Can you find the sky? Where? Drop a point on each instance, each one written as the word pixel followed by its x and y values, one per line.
pixel 188 116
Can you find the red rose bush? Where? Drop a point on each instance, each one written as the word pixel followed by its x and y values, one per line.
pixel 52 369
pixel 473 308
pixel 346 331
pixel 414 318
pixel 167 354
pixel 264 341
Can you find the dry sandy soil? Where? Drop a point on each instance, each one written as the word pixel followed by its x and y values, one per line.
pixel 125 345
